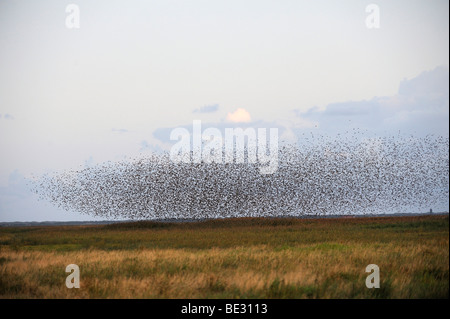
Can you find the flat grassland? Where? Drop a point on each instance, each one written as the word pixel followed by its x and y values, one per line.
pixel 234 258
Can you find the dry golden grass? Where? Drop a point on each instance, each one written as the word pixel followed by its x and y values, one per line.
pixel 300 259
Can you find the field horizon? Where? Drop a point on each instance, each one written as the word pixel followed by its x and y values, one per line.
pixel 188 220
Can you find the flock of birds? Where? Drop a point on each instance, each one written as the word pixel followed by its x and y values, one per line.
pixel 319 176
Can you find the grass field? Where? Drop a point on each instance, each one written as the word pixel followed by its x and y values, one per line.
pixel 236 258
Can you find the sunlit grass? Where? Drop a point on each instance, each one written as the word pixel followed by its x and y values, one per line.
pixel 237 258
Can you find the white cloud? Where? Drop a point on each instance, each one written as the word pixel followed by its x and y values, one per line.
pixel 239 116
pixel 120 130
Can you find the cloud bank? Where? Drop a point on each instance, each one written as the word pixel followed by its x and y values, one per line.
pixel 421 106
pixel 207 109
pixel 7 116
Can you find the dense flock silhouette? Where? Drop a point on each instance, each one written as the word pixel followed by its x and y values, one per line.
pixel 319 176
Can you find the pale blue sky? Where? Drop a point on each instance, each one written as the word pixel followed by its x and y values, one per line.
pixel 134 67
